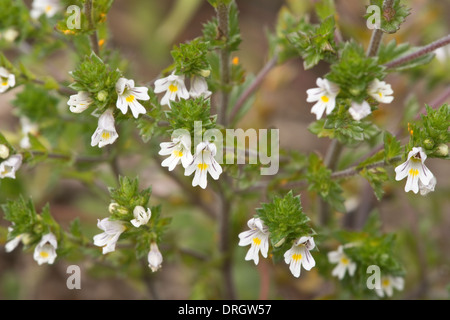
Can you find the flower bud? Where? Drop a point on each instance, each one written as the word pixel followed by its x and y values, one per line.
pixel 26 239
pixel 102 95
pixel 4 151
pixel 442 150
pixel 428 143
pixel 205 73
pixel 280 243
pixel 116 208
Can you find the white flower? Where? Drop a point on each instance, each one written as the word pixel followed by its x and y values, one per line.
pixel 360 110
pixel 202 163
pixel 299 255
pixel 108 239
pixel 258 237
pixel 174 87
pixel 388 283
pixel 128 96
pixel 344 263
pixel 140 216
pixel 179 149
pixel 4 151
pixel 45 251
pixel 415 169
pixel 325 95
pixel 79 102
pixel 381 91
pixel 199 88
pixel 9 167
pixel 106 132
pixel 12 244
pixel 7 80
pixel 155 257
pixel 426 189
pixel 28 127
pixel 47 7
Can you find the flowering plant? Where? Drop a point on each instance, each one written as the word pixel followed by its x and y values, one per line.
pixel 104 125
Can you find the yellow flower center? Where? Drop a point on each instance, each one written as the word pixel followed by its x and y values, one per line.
pixel 380 94
pixel 130 98
pixel 44 254
pixel 325 99
pixel 173 88
pixel 257 241
pixel 296 256
pixel 178 154
pixel 4 83
pixel 202 166
pixel 385 282
pixel 413 172
pixel 344 261
pixel 48 8
pixel 106 135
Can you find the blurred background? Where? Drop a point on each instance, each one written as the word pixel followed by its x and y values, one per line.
pixel 145 31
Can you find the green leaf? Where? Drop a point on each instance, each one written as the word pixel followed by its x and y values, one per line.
pixel 376 178
pixel 391 18
pixel 190 58
pixel 392 146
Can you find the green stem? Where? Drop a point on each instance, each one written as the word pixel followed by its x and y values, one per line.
pixel 377 34
pixel 93 37
pixel 225 66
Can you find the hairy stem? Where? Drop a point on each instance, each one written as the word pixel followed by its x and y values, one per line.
pixel 252 88
pixel 419 53
pixel 93 37
pixel 79 159
pixel 377 34
pixel 225 66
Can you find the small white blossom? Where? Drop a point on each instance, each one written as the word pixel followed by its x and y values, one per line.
pixel 79 102
pixel 257 237
pixel 325 95
pixel 45 251
pixel 106 132
pixel 9 167
pixel 298 255
pixel 155 257
pixel 443 53
pixel 7 80
pixel 179 150
pixel 28 127
pixel 174 88
pixel 141 216
pixel 381 91
pixel 128 96
pixel 359 110
pixel 47 7
pixel 199 88
pixel 388 284
pixel 12 244
pixel 344 263
pixel 108 239
pixel 415 169
pixel 202 163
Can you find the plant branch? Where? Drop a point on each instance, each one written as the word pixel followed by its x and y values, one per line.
pixel 421 52
pixel 79 159
pixel 93 37
pixel 377 34
pixel 252 88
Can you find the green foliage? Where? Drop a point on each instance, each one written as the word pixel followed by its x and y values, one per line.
pixel 285 219
pixel 432 133
pixel 391 18
pixel 185 113
pixel 215 37
pixel 315 42
pixel 14 16
pixel 94 76
pixel 325 8
pixel 354 72
pixel 128 196
pixel 319 180
pixel 340 125
pixel 190 58
pixel 36 103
